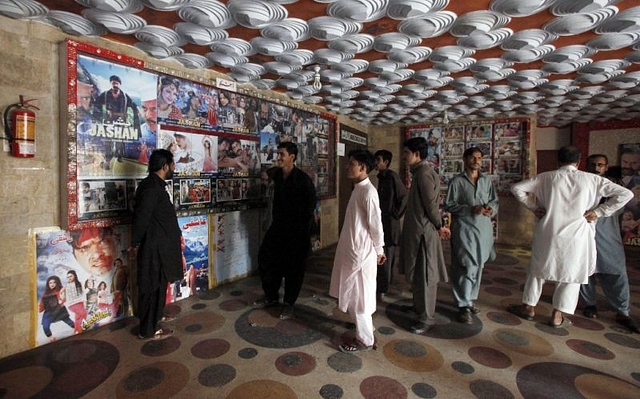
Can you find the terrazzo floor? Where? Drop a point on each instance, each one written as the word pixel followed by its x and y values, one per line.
pixel 224 348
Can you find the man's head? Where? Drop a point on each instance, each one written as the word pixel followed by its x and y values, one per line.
pixel 472 158
pixel 383 159
pixel 83 97
pixel 150 113
pixel 287 154
pixel 95 249
pixel 161 163
pixel 236 147
pixel 630 162
pixel 115 83
pixel 568 155
pixel 360 164
pixel 414 150
pixel 598 164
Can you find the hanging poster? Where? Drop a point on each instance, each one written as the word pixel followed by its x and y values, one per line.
pixel 236 239
pixel 630 170
pixel 195 231
pixel 83 281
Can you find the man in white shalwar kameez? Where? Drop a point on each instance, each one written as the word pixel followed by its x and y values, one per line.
pixel 360 249
pixel 566 203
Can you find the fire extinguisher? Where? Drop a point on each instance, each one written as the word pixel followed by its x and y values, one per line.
pixel 20 128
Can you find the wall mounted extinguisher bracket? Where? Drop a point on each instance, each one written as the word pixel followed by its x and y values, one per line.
pixel 20 128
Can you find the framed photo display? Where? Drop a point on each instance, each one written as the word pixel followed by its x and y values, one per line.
pixel 504 144
pixel 119 110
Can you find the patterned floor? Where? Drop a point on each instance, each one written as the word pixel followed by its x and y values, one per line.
pixel 224 348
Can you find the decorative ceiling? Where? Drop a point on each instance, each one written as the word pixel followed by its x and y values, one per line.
pixel 391 61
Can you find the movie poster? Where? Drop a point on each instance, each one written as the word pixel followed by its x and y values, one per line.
pixel 236 239
pixel 195 231
pixel 83 280
pixel 630 171
pixel 116 119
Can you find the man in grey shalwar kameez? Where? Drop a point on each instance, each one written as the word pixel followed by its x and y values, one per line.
pixel 421 257
pixel 472 201
pixel 611 263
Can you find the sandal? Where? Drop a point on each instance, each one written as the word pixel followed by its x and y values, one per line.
pixel 517 310
pixel 356 347
pixel 564 324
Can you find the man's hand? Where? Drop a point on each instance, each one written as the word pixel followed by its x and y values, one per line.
pixel 591 216
pixel 444 233
pixel 381 259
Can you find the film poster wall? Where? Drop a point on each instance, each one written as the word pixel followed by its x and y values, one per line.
pixel 118 112
pixel 504 144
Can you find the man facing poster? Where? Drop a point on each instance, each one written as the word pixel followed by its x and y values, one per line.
pixel 156 235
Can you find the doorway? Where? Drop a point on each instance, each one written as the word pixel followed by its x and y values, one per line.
pixel 352 140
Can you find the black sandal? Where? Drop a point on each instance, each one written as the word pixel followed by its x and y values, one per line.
pixel 354 347
pixel 517 310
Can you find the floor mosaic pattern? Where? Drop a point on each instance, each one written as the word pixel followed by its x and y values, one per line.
pixel 225 348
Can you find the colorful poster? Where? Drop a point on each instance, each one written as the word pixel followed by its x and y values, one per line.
pixel 630 171
pixel 116 119
pixel 236 242
pixel 187 104
pixel 83 280
pixel 195 231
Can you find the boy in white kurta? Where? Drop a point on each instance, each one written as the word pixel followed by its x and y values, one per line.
pixel 360 249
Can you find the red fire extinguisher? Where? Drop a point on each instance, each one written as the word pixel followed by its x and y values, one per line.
pixel 20 128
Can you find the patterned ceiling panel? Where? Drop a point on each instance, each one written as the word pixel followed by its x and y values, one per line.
pixel 390 61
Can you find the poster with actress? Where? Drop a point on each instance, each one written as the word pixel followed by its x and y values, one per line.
pixel 195 230
pixel 82 281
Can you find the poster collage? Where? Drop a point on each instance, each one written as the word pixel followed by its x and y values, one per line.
pixel 221 140
pixel 503 145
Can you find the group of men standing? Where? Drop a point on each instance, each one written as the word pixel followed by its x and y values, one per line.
pixel 566 202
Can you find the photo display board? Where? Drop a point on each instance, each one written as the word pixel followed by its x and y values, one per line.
pixel 504 144
pixel 119 111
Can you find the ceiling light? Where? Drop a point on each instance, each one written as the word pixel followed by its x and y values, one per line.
pixel 317 84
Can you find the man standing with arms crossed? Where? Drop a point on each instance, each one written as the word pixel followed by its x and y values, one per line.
pixel 286 245
pixel 566 203
pixel 156 236
pixel 421 256
pixel 472 201
pixel 393 202
pixel 611 264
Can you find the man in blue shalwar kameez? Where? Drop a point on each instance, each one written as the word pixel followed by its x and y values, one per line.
pixel 472 201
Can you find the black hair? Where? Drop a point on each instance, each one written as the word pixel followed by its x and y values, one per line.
pixel 116 78
pixel 386 155
pixel 593 156
pixel 290 147
pixel 471 150
pixel 159 158
pixel 417 144
pixel 568 155
pixel 363 157
pixel 166 81
pixel 75 280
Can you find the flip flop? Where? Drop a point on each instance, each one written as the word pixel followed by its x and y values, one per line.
pixel 565 323
pixel 517 310
pixel 354 347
